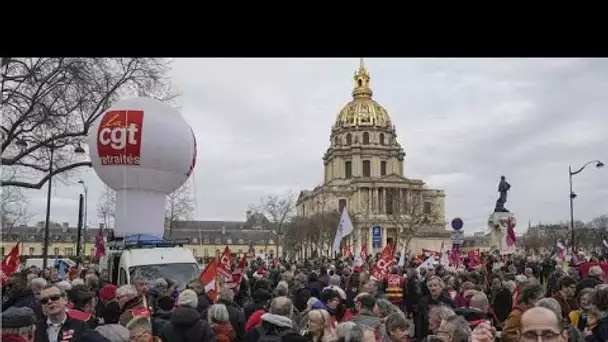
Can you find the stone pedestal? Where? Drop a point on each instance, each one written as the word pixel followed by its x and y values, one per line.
pixel 497 226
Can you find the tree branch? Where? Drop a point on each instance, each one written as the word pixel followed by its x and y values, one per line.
pixel 45 178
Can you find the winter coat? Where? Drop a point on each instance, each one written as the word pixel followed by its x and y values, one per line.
pixel 237 318
pixel 422 319
pixel 186 325
pixel 510 331
pixel 160 318
pixel 224 333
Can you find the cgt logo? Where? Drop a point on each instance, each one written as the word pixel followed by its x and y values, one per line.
pixel 119 137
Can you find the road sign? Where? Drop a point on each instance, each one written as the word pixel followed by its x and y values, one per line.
pixel 457 237
pixel 377 236
pixel 457 224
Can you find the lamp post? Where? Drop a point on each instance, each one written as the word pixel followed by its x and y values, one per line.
pixel 86 208
pixel 571 173
pixel 45 250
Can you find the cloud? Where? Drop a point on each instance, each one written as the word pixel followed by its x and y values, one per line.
pixel 263 125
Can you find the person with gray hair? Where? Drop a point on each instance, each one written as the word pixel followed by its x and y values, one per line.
pixel 130 304
pixel 36 285
pixel 64 285
pixel 282 289
pixel 114 332
pixel 396 326
pixel 186 323
pixel 140 329
pixel 276 322
pixel 593 279
pixel 454 329
pixel 344 331
pixel 574 335
pixel 219 320
pixel 235 312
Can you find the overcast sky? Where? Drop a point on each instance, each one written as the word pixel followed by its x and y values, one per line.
pixel 262 126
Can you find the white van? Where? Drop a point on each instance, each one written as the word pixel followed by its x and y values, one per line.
pixel 163 259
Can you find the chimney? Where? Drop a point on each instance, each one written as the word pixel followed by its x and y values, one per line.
pixel 65 226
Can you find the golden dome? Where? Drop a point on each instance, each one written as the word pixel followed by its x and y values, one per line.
pixel 363 111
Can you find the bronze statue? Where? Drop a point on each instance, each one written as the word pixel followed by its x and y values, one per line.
pixel 503 188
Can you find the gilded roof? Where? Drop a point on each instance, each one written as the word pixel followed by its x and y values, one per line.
pixel 362 111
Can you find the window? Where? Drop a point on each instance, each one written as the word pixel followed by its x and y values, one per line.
pixel 337 141
pixel 427 207
pixel 341 204
pixel 218 241
pixel 206 241
pixel 68 238
pixel 229 241
pixel 122 279
pixel 366 168
pixel 348 169
pixel 261 251
pixel 381 139
pixel 69 251
pixel 389 201
pixel 382 168
pixel 270 241
pixel 32 250
pixel 206 252
pixel 56 250
pixel 217 253
pixel 349 139
pixel 2 250
pixel 240 251
pixel 365 138
pixel 194 240
pixel 241 241
pixel 195 252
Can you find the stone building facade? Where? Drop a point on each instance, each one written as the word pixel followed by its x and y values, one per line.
pixel 364 171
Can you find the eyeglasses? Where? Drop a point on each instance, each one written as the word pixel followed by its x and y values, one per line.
pixel 48 299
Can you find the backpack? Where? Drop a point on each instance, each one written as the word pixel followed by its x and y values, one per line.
pixel 268 336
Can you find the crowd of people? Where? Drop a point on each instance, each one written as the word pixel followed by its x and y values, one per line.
pixel 512 299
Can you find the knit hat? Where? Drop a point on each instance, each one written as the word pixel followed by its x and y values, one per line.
pixel 188 298
pixel 18 317
pixel 108 292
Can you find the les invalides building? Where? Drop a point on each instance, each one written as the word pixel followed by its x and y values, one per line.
pixel 364 171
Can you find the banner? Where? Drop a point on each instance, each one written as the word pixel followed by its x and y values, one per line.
pixel 385 261
pixel 10 263
pixel 587 265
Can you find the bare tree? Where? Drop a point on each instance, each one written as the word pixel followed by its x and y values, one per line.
pixel 13 208
pixel 106 207
pixel 411 215
pixel 279 210
pixel 180 206
pixel 50 103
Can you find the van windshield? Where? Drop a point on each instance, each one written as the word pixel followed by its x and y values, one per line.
pixel 181 273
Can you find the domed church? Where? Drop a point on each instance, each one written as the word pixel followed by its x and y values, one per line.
pixel 364 172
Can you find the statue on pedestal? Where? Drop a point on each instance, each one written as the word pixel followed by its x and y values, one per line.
pixel 500 219
pixel 503 188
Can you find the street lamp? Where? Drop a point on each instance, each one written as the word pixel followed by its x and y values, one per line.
pixel 86 202
pixel 571 173
pixel 45 251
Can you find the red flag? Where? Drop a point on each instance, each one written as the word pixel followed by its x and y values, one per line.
pixel 346 252
pixel 224 266
pixel 10 263
pixel 384 262
pixel 209 277
pixel 511 238
pixel 100 248
pixel 237 275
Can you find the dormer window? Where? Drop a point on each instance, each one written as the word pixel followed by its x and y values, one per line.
pixel 194 240
pixel 270 242
pixel 218 241
pixel 241 241
pixel 229 241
